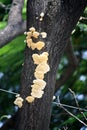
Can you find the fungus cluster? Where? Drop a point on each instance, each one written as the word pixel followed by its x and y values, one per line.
pixel 18 101
pixel 41 60
pixel 33 34
pixel 41 16
pixel 37 89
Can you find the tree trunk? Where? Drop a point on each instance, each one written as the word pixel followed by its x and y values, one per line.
pixel 60 19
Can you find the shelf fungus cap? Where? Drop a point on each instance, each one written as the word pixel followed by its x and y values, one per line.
pixel 36 90
pixel 37 93
pixel 43 67
pixel 43 34
pixel 36 34
pixel 40 45
pixel 30 99
pixel 32 29
pixel 39 75
pixel 25 33
pixel 29 42
pixel 29 35
pixel 38 59
pixel 45 53
pixel 39 82
pixel 19 102
pixel 38 87
pixel 33 46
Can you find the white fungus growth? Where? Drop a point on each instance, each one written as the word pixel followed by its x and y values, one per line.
pixel 19 101
pixel 25 33
pixel 41 19
pixel 43 34
pixel 42 14
pixel 17 95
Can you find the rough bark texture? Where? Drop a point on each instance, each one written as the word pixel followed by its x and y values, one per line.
pixel 60 19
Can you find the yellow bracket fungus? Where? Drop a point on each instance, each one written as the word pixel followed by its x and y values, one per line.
pixel 37 93
pixel 39 82
pixel 38 59
pixel 37 89
pixel 29 42
pixel 40 45
pixel 39 75
pixel 30 99
pixel 43 67
pixel 32 29
pixel 35 34
pixel 19 101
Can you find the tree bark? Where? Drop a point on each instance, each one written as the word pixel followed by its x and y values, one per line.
pixel 60 19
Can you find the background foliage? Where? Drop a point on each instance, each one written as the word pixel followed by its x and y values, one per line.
pixel 11 60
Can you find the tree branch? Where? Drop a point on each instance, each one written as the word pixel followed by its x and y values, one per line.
pixel 9 124
pixel 77 104
pixel 15 26
pixel 73 63
pixel 71 114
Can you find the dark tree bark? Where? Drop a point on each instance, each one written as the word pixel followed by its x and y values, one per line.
pixel 60 19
